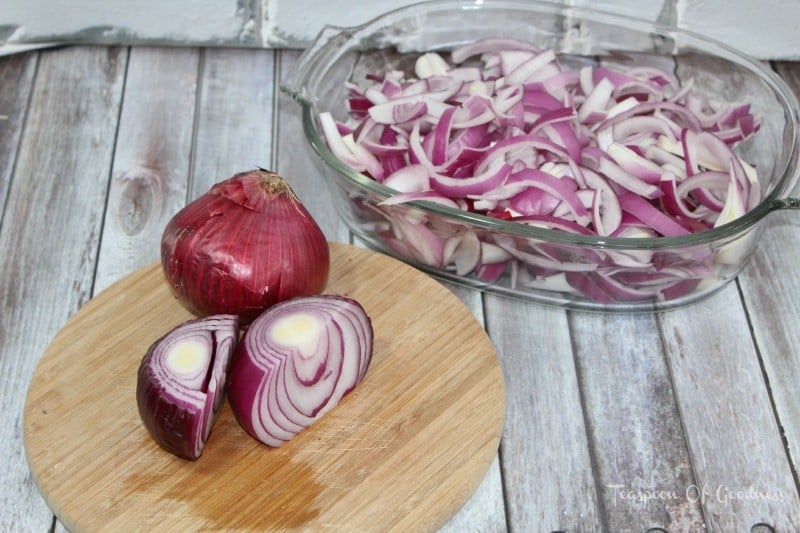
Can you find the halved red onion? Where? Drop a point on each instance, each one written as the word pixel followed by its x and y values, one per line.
pixel 296 362
pixel 181 383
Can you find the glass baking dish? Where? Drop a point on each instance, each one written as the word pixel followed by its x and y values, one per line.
pixel 533 263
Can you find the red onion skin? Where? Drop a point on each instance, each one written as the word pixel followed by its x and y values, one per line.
pixel 166 422
pixel 243 246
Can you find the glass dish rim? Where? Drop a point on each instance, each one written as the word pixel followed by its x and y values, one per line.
pixel 772 201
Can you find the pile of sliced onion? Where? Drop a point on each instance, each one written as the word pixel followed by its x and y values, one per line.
pixel 296 362
pixel 596 151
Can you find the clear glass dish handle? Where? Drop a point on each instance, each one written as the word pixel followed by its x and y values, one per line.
pixel 792 198
pixel 313 58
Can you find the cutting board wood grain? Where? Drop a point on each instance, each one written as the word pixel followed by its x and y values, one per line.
pixel 402 452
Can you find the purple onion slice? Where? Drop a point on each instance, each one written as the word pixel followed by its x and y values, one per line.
pixel 296 362
pixel 181 383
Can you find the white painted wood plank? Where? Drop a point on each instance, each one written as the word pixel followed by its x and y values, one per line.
pixel 641 460
pixel 740 466
pixel 151 160
pixel 16 79
pixel 234 117
pixel 47 256
pixel 771 289
pixel 298 164
pixel 546 464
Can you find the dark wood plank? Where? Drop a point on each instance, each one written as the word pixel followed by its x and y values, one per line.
pixel 296 161
pixel 641 460
pixel 16 79
pixel 48 255
pixel 546 464
pixel 151 161
pixel 234 116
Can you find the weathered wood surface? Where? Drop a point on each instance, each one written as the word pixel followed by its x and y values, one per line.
pixel 685 421
pixel 50 236
pixel 546 461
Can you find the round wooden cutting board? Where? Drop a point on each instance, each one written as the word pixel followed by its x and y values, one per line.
pixel 403 452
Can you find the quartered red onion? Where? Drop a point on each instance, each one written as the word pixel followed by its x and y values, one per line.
pixel 243 246
pixel 296 362
pixel 503 130
pixel 181 383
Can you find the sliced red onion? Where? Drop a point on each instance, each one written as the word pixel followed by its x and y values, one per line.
pixel 430 64
pixel 412 178
pixel 627 180
pixel 493 176
pixel 490 45
pixel 181 383
pixel 296 362
pixel 560 188
pixel 635 164
pixel 397 113
pixel 464 251
pixel 734 206
pixel 594 107
pixel 430 196
pixel 649 215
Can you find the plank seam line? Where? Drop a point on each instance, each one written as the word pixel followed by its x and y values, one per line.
pixel 277 65
pixel 587 428
pixel 687 443
pixel 110 173
pixel 765 379
pixel 198 98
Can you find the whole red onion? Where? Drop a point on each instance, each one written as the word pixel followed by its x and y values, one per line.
pixel 245 245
